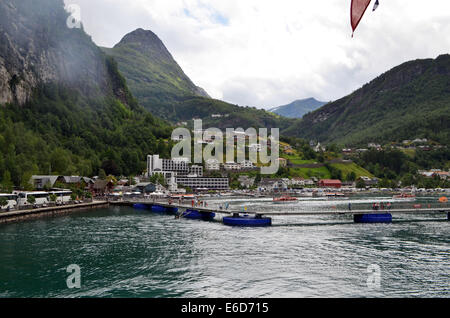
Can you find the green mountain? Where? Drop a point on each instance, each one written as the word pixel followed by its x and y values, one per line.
pixel 410 101
pixel 64 106
pixel 153 75
pixel 298 108
pixel 162 87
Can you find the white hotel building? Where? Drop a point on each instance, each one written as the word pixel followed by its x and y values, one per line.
pixel 179 172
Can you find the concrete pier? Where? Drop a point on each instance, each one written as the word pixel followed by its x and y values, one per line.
pixel 22 215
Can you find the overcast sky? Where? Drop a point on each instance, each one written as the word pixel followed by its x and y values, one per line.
pixel 267 53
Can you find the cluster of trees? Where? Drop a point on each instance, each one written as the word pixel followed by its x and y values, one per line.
pixel 393 167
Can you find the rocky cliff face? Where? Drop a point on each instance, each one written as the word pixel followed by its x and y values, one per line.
pixel 37 47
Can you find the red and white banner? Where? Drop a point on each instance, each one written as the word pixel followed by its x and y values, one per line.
pixel 358 8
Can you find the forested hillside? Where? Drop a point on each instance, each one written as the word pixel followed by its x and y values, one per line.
pixel 410 101
pixel 65 108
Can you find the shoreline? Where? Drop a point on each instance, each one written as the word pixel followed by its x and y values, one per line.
pixel 23 215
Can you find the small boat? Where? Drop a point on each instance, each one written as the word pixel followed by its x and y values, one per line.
pixel 284 199
pixel 404 196
pixel 334 194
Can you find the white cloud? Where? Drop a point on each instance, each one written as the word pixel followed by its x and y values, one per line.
pixel 266 53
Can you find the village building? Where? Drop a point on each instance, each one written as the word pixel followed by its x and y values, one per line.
pixel 212 165
pixel 49 181
pixel 145 187
pixel 319 148
pixel 283 162
pixel 246 181
pixel 369 181
pixel 203 183
pixel 273 185
pixel 231 165
pixel 102 187
pixel 255 147
pixel 247 164
pixel 328 183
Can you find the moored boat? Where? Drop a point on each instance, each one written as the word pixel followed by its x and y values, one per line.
pixel 284 199
pixel 404 196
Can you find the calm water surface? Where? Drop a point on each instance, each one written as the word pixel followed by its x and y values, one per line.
pixel 124 252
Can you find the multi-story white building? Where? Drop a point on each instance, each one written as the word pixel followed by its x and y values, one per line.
pixel 203 183
pixel 196 170
pixel 255 147
pixel 231 165
pixel 247 164
pixel 178 172
pixel 212 165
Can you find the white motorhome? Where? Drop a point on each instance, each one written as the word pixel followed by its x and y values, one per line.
pixel 12 200
pixel 40 197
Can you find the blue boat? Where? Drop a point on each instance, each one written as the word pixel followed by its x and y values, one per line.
pixel 373 218
pixel 158 209
pixel 197 215
pixel 247 221
pixel 155 208
pixel 140 206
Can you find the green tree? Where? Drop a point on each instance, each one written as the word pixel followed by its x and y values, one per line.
pixel 6 185
pixel 158 179
pixel 26 182
pixel 131 181
pixel 258 179
pixel 102 174
pixel 3 202
pixel 31 199
pixel 351 176
pixel 360 184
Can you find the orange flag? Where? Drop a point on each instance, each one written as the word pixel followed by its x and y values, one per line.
pixel 358 8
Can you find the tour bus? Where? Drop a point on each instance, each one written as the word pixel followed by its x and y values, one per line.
pixel 40 196
pixel 12 201
pixel 62 196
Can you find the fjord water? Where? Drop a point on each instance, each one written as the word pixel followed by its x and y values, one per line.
pixel 124 252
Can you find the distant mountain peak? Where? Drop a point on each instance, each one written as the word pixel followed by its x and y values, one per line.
pixel 152 73
pixel 140 35
pixel 146 42
pixel 298 108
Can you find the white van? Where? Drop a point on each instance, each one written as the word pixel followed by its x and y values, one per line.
pixel 12 200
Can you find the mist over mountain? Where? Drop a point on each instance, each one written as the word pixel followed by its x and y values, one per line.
pixel 64 106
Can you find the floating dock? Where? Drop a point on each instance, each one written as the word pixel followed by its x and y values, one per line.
pixel 252 218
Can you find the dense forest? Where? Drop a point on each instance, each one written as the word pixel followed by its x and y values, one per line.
pixel 62 132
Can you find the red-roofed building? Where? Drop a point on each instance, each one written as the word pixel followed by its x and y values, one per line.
pixel 326 183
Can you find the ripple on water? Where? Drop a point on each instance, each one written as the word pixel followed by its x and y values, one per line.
pixel 128 253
